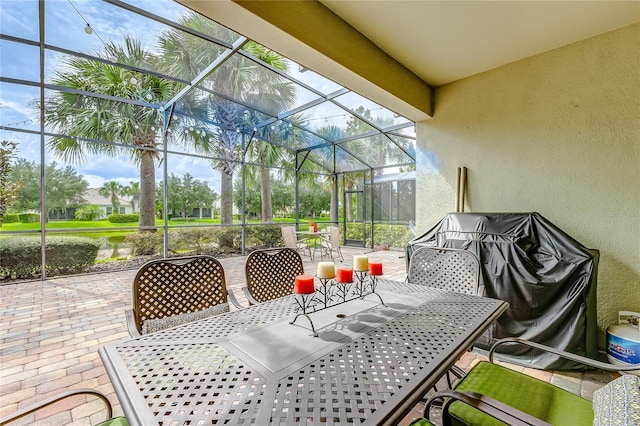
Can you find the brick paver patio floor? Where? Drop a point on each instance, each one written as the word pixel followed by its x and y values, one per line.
pixel 51 331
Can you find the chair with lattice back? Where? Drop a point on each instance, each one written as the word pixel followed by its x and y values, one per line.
pixel 271 273
pixel 447 269
pixel 173 291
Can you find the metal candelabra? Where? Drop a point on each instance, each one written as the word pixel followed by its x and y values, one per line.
pixel 332 293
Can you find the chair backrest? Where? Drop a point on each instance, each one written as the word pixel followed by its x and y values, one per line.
pixel 334 236
pixel 169 287
pixel 289 236
pixel 447 269
pixel 271 273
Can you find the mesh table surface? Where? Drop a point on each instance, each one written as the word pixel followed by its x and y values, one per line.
pixel 193 374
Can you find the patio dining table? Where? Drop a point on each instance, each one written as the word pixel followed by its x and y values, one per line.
pixel 314 240
pixel 370 364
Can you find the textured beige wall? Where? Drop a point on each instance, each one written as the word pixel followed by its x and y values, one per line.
pixel 557 133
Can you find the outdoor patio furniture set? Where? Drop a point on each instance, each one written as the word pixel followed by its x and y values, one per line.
pixel 190 359
pixel 326 242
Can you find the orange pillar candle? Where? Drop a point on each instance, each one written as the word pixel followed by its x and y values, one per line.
pixel 326 270
pixel 304 284
pixel 360 263
pixel 344 275
pixel 375 268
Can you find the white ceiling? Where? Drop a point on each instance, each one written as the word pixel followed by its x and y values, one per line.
pixel 443 41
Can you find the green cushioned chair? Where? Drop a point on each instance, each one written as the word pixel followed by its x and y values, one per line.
pixel 494 395
pixel 115 421
pixel 532 396
pixel 421 422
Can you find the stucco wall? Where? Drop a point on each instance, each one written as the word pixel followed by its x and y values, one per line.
pixel 557 133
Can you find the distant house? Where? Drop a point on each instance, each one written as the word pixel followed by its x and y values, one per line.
pixel 92 197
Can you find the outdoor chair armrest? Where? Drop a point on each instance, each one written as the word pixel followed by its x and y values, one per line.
pixel 489 406
pixel 46 402
pixel 573 357
pixel 250 298
pixel 234 299
pixel 131 323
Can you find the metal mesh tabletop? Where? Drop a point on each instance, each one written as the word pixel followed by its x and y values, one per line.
pixel 365 368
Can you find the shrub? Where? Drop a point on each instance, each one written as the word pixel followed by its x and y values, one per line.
pixel 145 243
pixel 21 257
pixel 11 218
pixel 229 239
pixel 386 234
pixel 392 235
pixel 123 218
pixel 29 217
pixel 263 236
pixel 197 239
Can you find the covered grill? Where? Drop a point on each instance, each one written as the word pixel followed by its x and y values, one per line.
pixel 548 278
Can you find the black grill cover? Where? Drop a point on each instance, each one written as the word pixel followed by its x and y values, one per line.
pixel 548 278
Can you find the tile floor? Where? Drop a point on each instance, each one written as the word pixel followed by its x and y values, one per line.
pixel 51 330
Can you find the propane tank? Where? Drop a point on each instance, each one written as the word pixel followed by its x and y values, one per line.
pixel 623 340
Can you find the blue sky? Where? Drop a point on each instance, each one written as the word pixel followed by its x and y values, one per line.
pixel 66 21
pixel 66 28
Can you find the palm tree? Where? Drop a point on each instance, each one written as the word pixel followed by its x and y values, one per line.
pixel 89 213
pixel 378 150
pixel 267 154
pixel 112 189
pixel 332 133
pixel 248 82
pixel 75 115
pixel 132 190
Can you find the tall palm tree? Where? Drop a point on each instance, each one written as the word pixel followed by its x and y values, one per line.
pixel 112 190
pixel 379 150
pixel 238 79
pixel 332 133
pixel 268 155
pixel 132 190
pixel 75 115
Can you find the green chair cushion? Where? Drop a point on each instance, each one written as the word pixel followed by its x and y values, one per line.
pixel 116 421
pixel 420 422
pixel 535 397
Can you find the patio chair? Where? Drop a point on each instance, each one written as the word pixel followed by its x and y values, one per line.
pixel 331 244
pixel 115 421
pixel 489 392
pixel 173 291
pixel 270 274
pixel 447 269
pixel 291 241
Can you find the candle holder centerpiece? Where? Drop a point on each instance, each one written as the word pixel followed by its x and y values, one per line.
pixel 337 286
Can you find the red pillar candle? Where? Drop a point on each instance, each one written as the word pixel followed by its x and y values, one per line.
pixel 344 275
pixel 375 268
pixel 304 284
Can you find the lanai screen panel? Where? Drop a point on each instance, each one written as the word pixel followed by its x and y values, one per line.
pixel 377 152
pixel 159 55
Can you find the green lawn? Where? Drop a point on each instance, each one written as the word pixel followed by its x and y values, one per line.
pixel 75 226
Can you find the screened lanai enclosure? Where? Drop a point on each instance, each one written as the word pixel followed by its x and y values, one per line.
pixel 142 128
